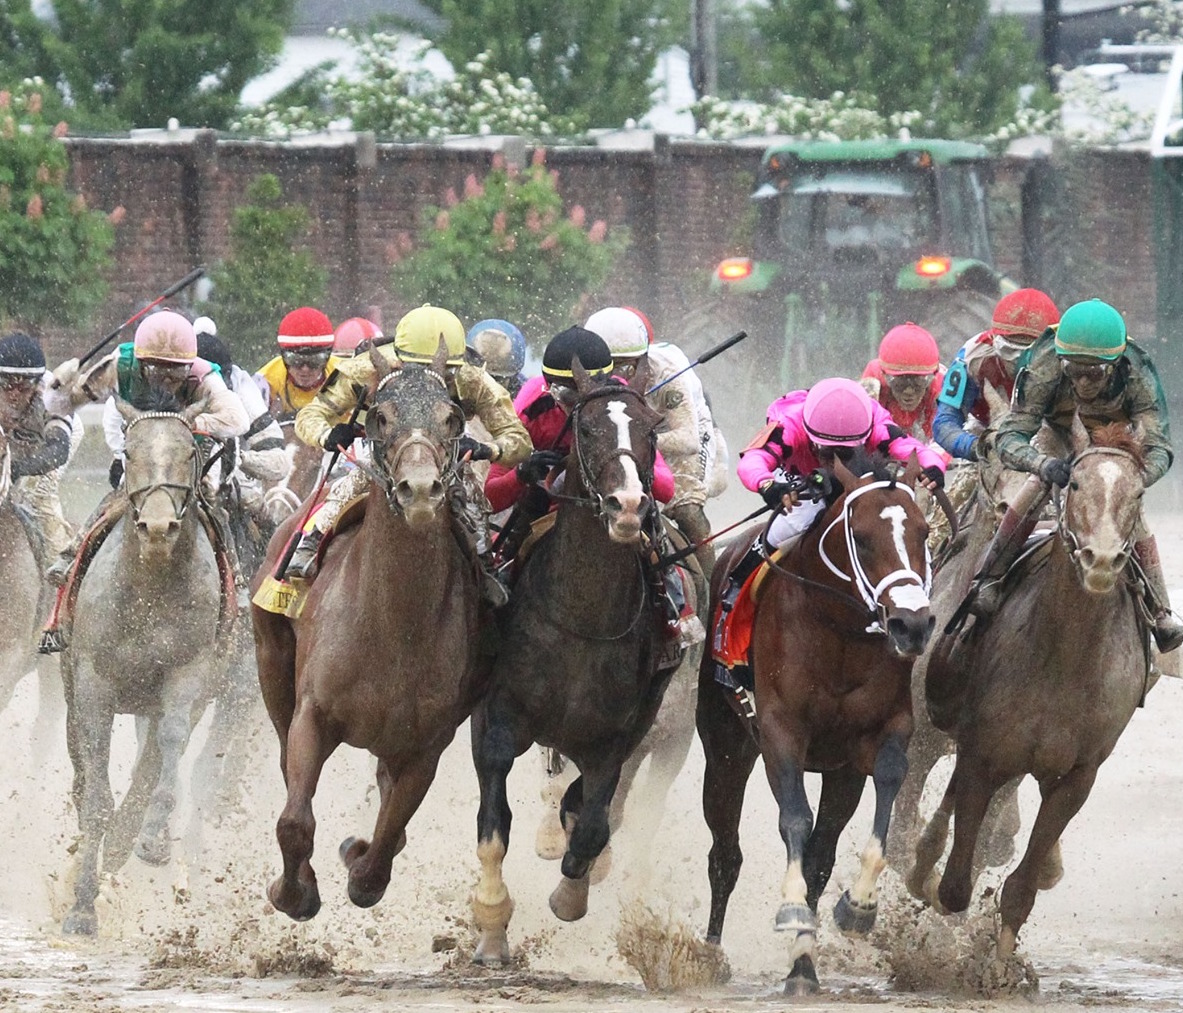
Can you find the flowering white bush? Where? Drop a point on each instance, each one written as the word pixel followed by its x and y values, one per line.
pixel 841 117
pixel 1108 120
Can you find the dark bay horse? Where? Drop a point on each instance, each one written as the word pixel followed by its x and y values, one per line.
pixel 1051 682
pixel 578 667
pixel 148 638
pixel 384 655
pixel 839 621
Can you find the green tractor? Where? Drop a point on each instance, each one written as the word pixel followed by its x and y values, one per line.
pixel 852 238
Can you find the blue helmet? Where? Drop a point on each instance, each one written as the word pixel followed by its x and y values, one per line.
pixel 500 344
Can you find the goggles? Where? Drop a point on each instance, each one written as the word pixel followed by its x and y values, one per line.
pixel 1091 371
pixel 175 371
pixel 306 358
pixel 562 393
pixel 909 383
pixel 1008 351
pixel 827 454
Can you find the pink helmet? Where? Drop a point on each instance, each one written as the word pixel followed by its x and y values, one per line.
pixel 352 332
pixel 838 413
pixel 909 349
pixel 166 336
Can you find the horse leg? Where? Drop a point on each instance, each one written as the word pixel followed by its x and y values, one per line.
pixel 1062 799
pixel 856 908
pixel 309 745
pixel 497 740
pixel 173 727
pixel 925 748
pixel 923 880
pixel 590 834
pixel 1001 827
pixel 129 817
pixel 49 706
pixel 730 753
pixel 369 864
pixel 550 841
pixel 275 658
pixel 973 794
pixel 95 718
pixel 841 790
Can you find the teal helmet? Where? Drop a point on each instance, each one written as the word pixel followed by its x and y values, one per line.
pixel 1093 329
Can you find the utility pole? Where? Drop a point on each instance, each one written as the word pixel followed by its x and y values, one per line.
pixel 1050 48
pixel 704 62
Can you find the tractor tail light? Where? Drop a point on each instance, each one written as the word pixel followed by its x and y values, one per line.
pixel 734 269
pixel 933 267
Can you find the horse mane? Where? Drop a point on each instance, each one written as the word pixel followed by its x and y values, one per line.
pixel 154 399
pixel 861 462
pixel 1120 436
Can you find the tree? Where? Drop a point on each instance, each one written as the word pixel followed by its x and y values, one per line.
pixel 590 61
pixel 265 276
pixel 140 62
pixel 962 68
pixel 53 249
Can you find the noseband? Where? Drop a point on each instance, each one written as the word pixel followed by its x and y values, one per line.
pixel 586 476
pixel 872 593
pixel 137 497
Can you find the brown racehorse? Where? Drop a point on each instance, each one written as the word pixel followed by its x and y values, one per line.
pixel 839 621
pixel 384 654
pixel 578 669
pixel 1050 684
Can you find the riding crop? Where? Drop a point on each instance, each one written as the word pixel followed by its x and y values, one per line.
pixel 706 356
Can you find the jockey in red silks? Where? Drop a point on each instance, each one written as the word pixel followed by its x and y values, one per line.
pixel 906 378
pixel 806 430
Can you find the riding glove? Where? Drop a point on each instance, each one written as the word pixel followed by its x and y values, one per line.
pixel 1055 470
pixel 934 475
pixel 341 435
pixel 480 451
pixel 775 492
pixel 535 467
pixel 115 475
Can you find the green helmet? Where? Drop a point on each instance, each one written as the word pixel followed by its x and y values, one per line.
pixel 1092 328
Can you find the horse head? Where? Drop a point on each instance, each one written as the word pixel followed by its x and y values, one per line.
pixel 162 466
pixel 413 426
pixel 614 443
pixel 1102 503
pixel 885 539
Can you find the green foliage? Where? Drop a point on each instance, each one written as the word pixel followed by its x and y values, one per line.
pixel 960 68
pixel 589 61
pixel 53 251
pixel 506 250
pixel 265 276
pixel 139 62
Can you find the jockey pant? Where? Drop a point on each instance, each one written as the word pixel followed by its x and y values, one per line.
pixel 787 527
pixel 38 495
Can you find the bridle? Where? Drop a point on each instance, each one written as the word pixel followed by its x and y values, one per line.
pixel 137 497
pixel 1067 535
pixel 446 459
pixel 870 592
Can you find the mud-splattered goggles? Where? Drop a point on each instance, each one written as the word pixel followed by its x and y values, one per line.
pixel 1092 371
pixel 306 358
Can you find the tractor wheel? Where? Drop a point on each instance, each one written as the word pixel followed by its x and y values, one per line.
pixel 955 316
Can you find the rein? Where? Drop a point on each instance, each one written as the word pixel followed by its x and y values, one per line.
pixel 137 497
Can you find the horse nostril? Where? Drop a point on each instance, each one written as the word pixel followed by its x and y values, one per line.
pixel 174 526
pixel 142 527
pixel 1088 558
pixel 897 628
pixel 437 491
pixel 612 505
pixel 403 492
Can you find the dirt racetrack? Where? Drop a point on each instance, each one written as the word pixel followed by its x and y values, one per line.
pixel 198 934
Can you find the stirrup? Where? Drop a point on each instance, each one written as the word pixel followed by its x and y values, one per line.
pixel 58 572
pixel 1168 632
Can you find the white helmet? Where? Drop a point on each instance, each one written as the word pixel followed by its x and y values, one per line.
pixel 622 329
pixel 204 325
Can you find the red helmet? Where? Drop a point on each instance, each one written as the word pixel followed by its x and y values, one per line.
pixel 1024 315
pixel 306 328
pixel 352 332
pixel 838 413
pixel 909 349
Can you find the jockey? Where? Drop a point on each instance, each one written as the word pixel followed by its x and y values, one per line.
pixel 416 339
pixel 1089 368
pixel 502 348
pixel 351 333
pixel 43 433
pixel 688 440
pixel 989 358
pixel 305 361
pixel 806 430
pixel 906 378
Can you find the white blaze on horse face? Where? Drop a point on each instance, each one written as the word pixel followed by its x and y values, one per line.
pixel 908 595
pixel 631 492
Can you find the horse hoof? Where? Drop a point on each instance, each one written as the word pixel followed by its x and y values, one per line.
pixel 298 902
pixel 795 918
pixel 953 899
pixel 365 894
pixel 1007 941
pixel 852 917
pixel 550 842
pixel 351 849
pixel 493 949
pixel 80 923
pixel 802 979
pixel 601 866
pixel 155 850
pixel 569 899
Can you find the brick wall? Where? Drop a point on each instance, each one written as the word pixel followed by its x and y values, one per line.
pixel 685 204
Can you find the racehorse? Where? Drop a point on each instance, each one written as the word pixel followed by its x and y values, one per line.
pixel 838 623
pixel 1048 686
pixel 146 639
pixel 384 655
pixel 578 669
pixel 283 498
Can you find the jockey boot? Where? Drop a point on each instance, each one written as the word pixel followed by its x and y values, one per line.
pixel 57 571
pixel 493 590
pixel 985 591
pixel 303 562
pixel 739 576
pixel 1168 630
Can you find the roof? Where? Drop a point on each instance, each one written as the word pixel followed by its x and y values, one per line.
pixel 315 17
pixel 942 152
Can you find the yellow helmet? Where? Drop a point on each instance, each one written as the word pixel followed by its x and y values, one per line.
pixel 417 336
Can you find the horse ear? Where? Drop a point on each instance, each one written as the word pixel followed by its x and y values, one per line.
pixel 382 367
pixel 583 381
pixel 846 478
pixel 439 361
pixel 1138 432
pixel 911 470
pixel 1080 435
pixel 642 377
pixel 126 409
pixel 996 401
